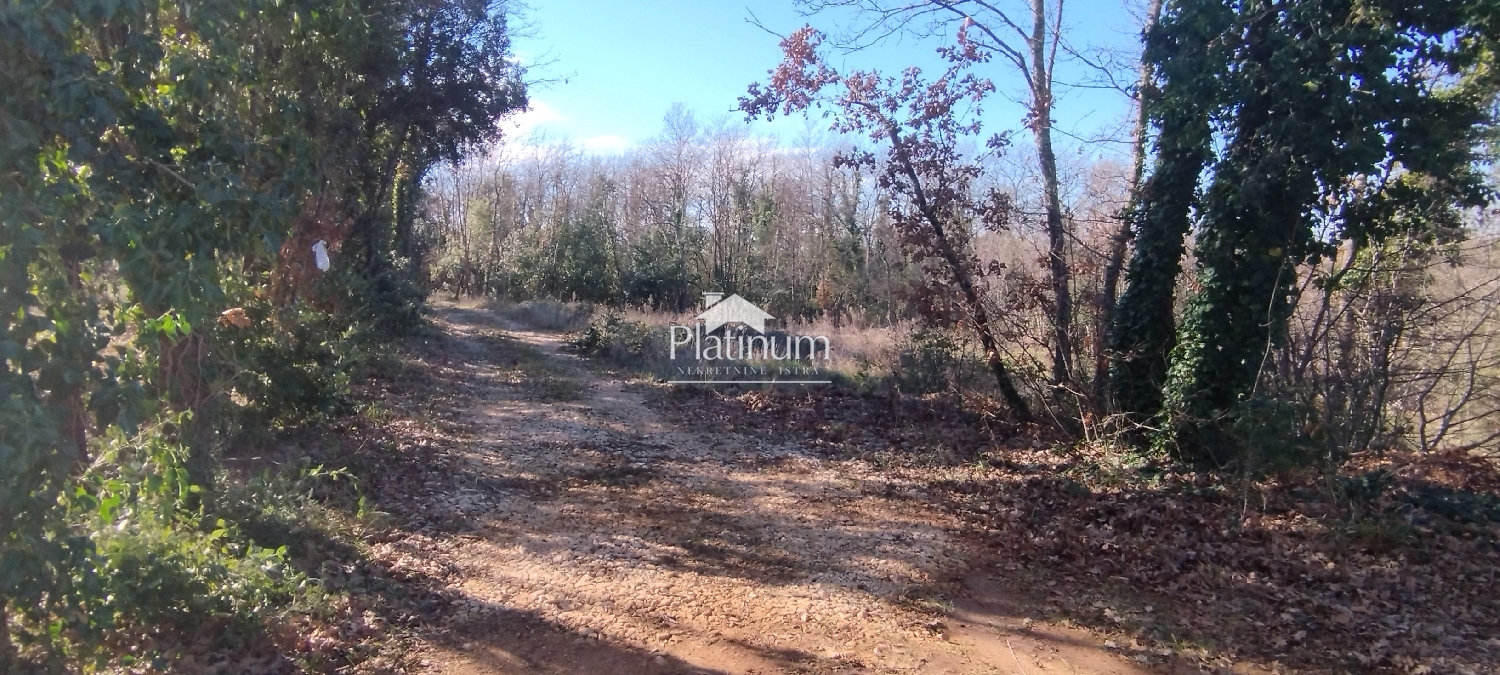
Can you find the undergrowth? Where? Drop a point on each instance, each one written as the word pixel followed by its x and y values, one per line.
pixel 157 566
pixel 171 565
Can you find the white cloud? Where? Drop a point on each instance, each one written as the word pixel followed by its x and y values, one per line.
pixel 606 143
pixel 542 128
pixel 540 114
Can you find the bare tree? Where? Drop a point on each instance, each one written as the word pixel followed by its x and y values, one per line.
pixel 1028 38
pixel 931 185
pixel 1395 343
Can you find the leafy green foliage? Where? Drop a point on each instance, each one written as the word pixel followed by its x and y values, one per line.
pixel 289 364
pixel 619 340
pixel 161 163
pixel 159 562
pixel 1336 120
pixel 146 560
pixel 931 360
pixel 577 259
pixel 1186 58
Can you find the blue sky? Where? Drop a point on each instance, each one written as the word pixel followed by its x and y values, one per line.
pixel 618 66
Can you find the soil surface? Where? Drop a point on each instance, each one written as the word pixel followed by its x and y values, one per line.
pixel 593 533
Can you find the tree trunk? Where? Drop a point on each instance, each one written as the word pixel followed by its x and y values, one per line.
pixel 7 650
pixel 369 220
pixel 1144 320
pixel 1057 261
pixel 978 316
pixel 1253 228
pixel 184 387
pixel 1118 243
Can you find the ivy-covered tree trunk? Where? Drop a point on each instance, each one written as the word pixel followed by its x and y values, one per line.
pixel 1334 115
pixel 1144 330
pixel 1119 242
pixel 1253 224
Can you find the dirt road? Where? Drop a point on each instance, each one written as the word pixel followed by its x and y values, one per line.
pixel 605 537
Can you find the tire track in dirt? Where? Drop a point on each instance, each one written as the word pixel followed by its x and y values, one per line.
pixel 611 539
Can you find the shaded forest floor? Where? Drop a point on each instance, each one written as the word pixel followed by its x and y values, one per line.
pixel 548 515
pixel 601 528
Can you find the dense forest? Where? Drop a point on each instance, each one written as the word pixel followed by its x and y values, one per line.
pixel 243 242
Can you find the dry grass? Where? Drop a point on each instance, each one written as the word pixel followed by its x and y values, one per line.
pixel 545 314
pixel 861 348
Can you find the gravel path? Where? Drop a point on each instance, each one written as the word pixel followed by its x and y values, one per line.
pixel 605 538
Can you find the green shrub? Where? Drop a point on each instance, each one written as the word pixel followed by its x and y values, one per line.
pixel 383 304
pixel 622 342
pixel 289 366
pixel 153 562
pixel 929 361
pixel 1261 434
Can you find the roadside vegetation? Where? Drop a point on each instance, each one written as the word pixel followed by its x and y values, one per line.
pixel 178 362
pixel 1244 406
pixel 1234 395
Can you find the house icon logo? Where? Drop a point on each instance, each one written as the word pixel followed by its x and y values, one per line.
pixel 733 309
pixel 752 356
